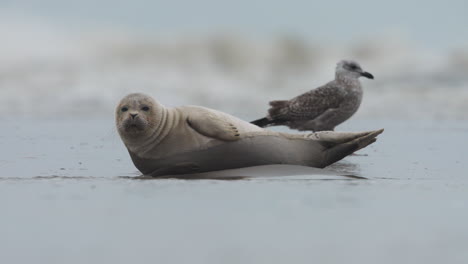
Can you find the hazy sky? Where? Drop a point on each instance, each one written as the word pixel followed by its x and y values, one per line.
pixel 435 24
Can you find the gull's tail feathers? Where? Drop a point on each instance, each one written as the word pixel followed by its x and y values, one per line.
pixel 262 122
pixel 277 108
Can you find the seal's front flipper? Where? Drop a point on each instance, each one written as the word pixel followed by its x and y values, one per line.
pixel 211 125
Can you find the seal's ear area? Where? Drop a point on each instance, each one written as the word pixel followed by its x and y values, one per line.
pixel 210 125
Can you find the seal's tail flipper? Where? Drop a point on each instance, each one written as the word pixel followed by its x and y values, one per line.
pixel 356 142
pixel 262 122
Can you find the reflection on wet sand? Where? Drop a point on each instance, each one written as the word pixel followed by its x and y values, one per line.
pixel 346 169
pixel 337 171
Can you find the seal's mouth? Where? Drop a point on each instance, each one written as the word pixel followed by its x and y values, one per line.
pixel 134 125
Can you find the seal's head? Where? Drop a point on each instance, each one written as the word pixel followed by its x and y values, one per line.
pixel 350 69
pixel 138 116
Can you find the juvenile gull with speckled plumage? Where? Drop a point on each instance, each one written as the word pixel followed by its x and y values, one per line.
pixel 322 108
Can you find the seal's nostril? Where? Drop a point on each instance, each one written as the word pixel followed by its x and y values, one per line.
pixel 133 115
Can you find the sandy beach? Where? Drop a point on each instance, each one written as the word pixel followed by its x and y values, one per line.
pixel 63 199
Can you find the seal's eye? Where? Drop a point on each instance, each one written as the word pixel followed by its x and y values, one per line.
pixel 124 109
pixel 145 108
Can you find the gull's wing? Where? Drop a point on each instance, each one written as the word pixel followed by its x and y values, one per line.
pixel 312 104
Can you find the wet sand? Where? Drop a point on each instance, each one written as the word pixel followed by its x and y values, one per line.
pixel 64 198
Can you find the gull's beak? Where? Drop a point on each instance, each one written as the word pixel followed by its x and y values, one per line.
pixel 367 75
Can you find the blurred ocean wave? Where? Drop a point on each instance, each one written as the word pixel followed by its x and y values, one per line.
pixel 46 71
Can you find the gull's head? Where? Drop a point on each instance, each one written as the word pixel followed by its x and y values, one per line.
pixel 351 69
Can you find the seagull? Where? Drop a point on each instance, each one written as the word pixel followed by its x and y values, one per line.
pixel 323 108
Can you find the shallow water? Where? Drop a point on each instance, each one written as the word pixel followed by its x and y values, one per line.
pixel 63 200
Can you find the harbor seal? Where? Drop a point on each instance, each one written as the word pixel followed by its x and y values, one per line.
pixel 192 139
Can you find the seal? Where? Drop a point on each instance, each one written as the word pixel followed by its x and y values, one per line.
pixel 165 141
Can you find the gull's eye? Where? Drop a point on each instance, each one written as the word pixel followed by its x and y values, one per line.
pixel 124 109
pixel 353 67
pixel 145 108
